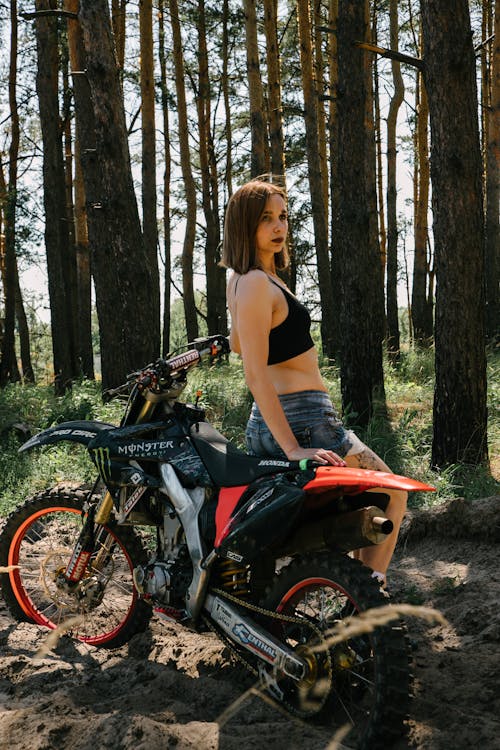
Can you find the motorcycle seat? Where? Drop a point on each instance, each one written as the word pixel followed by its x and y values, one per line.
pixel 228 465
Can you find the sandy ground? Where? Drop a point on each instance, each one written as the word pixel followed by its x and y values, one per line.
pixel 170 688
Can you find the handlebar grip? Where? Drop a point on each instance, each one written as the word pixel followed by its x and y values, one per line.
pixel 190 357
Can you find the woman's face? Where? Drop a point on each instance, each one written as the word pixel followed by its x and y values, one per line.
pixel 272 229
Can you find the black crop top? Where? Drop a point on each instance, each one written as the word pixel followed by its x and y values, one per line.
pixel 291 337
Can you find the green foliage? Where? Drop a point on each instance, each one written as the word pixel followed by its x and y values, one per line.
pixel 403 441
pixel 27 409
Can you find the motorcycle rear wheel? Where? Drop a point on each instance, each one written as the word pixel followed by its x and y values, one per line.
pixel 361 685
pixel 38 537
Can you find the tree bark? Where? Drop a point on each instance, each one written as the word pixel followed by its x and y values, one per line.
pixel 187 174
pixel 125 282
pixel 84 279
pixel 492 253
pixel 333 135
pixel 274 87
pixel 259 158
pixel 460 414
pixel 60 258
pixel 422 303
pixel 8 364
pixel 215 275
pixel 228 131
pixel 393 342
pixel 167 229
pixel 118 18
pixel 148 128
pixel 361 312
pixel 319 213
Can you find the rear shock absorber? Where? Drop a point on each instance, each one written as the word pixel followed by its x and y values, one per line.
pixel 234 578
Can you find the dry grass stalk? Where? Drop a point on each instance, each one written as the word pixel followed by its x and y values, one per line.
pixel 53 638
pixel 8 568
pixel 366 622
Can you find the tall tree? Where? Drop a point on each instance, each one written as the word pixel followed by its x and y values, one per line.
pixel 274 87
pixel 215 275
pixel 314 168
pixel 118 20
pixel 258 124
pixel 361 310
pixel 393 343
pixel 333 11
pixel 460 415
pixel 422 286
pixel 125 282
pixel 84 152
pixel 61 259
pixel 228 130
pixel 492 253
pixel 167 173
pixel 187 175
pixel 149 197
pixel 8 364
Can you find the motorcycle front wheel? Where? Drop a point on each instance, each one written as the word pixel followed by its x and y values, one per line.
pixel 360 686
pixel 104 609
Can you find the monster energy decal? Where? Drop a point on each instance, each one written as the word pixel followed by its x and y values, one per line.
pixel 145 448
pixel 102 460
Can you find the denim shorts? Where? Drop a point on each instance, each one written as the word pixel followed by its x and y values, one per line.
pixel 314 422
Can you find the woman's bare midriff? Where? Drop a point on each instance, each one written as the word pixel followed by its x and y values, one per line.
pixel 297 374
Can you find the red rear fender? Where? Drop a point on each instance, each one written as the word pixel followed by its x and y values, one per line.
pixel 346 481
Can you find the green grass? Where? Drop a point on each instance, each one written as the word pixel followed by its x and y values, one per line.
pixel 404 444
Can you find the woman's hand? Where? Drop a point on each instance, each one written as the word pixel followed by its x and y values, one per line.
pixel 321 455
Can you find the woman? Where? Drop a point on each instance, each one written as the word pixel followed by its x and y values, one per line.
pixel 292 415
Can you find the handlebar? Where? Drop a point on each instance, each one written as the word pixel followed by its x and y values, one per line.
pixel 164 370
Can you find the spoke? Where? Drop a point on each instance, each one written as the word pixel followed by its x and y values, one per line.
pixel 344 707
pixel 371 683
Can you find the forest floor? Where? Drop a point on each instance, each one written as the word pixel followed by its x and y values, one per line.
pixel 172 688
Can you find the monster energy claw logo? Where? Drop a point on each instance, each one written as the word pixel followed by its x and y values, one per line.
pixel 103 463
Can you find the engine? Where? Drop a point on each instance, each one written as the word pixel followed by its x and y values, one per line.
pixel 165 581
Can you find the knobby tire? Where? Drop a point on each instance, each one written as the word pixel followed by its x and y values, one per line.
pixel 39 537
pixel 368 678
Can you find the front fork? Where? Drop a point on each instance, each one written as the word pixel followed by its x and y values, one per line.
pixel 85 545
pixel 97 517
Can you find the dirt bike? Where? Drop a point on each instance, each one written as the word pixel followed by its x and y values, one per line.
pixel 191 528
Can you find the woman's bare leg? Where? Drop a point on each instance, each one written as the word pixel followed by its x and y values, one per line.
pixel 379 556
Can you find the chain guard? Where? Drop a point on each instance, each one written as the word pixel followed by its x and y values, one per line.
pixel 269 676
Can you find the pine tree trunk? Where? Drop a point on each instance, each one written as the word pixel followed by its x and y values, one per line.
pixel 492 253
pixel 422 302
pixel 361 313
pixel 167 229
pixel 8 363
pixel 319 212
pixel 189 184
pixel 393 343
pixel 215 275
pixel 148 128
pixel 57 243
pixel 125 282
pixel 84 180
pixel 258 127
pixel 460 414
pixel 333 135
pixel 274 88
pixel 118 18
pixel 84 279
pixel 228 131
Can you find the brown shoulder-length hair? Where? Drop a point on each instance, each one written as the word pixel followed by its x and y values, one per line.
pixel 243 214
